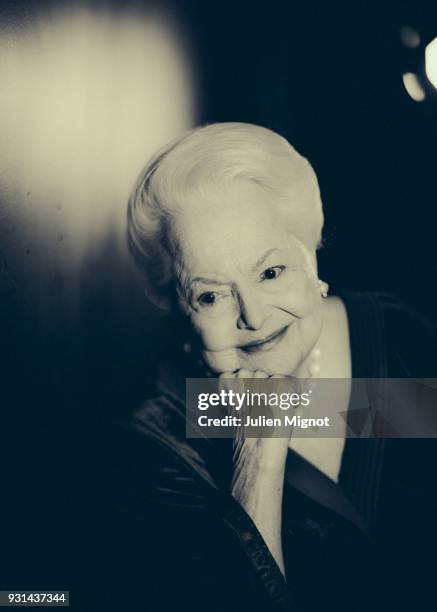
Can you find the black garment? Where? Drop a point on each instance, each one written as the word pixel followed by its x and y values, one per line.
pixel 179 541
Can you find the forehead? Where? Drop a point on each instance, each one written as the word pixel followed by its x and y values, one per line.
pixel 234 226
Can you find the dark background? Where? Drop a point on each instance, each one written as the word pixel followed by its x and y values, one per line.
pixel 327 76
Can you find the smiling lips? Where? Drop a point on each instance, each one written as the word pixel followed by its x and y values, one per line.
pixel 267 343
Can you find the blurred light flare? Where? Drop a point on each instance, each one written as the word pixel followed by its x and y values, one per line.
pixel 86 97
pixel 413 86
pixel 431 62
pixel 409 37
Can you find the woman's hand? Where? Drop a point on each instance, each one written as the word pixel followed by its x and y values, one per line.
pixel 272 449
pixel 258 472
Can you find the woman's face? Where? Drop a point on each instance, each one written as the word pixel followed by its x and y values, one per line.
pixel 249 287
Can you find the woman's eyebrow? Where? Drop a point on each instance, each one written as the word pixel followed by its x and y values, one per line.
pixel 263 258
pixel 211 281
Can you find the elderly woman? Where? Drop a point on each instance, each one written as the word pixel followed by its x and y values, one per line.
pixel 224 225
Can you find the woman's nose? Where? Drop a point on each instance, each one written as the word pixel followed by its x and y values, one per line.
pixel 253 313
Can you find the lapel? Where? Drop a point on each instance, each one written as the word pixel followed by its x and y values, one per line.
pixel 302 476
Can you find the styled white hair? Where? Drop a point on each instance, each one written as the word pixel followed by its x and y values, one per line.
pixel 206 158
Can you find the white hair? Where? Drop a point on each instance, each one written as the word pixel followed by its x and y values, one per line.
pixel 208 158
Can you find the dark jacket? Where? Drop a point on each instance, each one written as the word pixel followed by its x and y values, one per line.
pixel 179 541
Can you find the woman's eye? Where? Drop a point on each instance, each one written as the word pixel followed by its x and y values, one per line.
pixel 208 298
pixel 272 273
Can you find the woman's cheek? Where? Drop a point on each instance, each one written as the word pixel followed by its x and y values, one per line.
pixel 297 299
pixel 305 302
pixel 216 334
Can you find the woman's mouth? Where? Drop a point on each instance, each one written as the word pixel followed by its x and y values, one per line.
pixel 265 344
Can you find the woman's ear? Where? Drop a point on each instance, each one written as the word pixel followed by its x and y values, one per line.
pixel 314 262
pixel 311 258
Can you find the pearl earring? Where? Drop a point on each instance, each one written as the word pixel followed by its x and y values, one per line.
pixel 324 288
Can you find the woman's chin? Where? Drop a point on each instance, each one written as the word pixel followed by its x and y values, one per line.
pixel 232 360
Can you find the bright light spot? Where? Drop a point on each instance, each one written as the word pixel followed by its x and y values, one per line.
pixel 409 37
pixel 431 61
pixel 413 87
pixel 86 97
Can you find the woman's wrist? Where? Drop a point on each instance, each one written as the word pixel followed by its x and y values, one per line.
pixel 264 456
pixel 258 473
pixel 257 484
